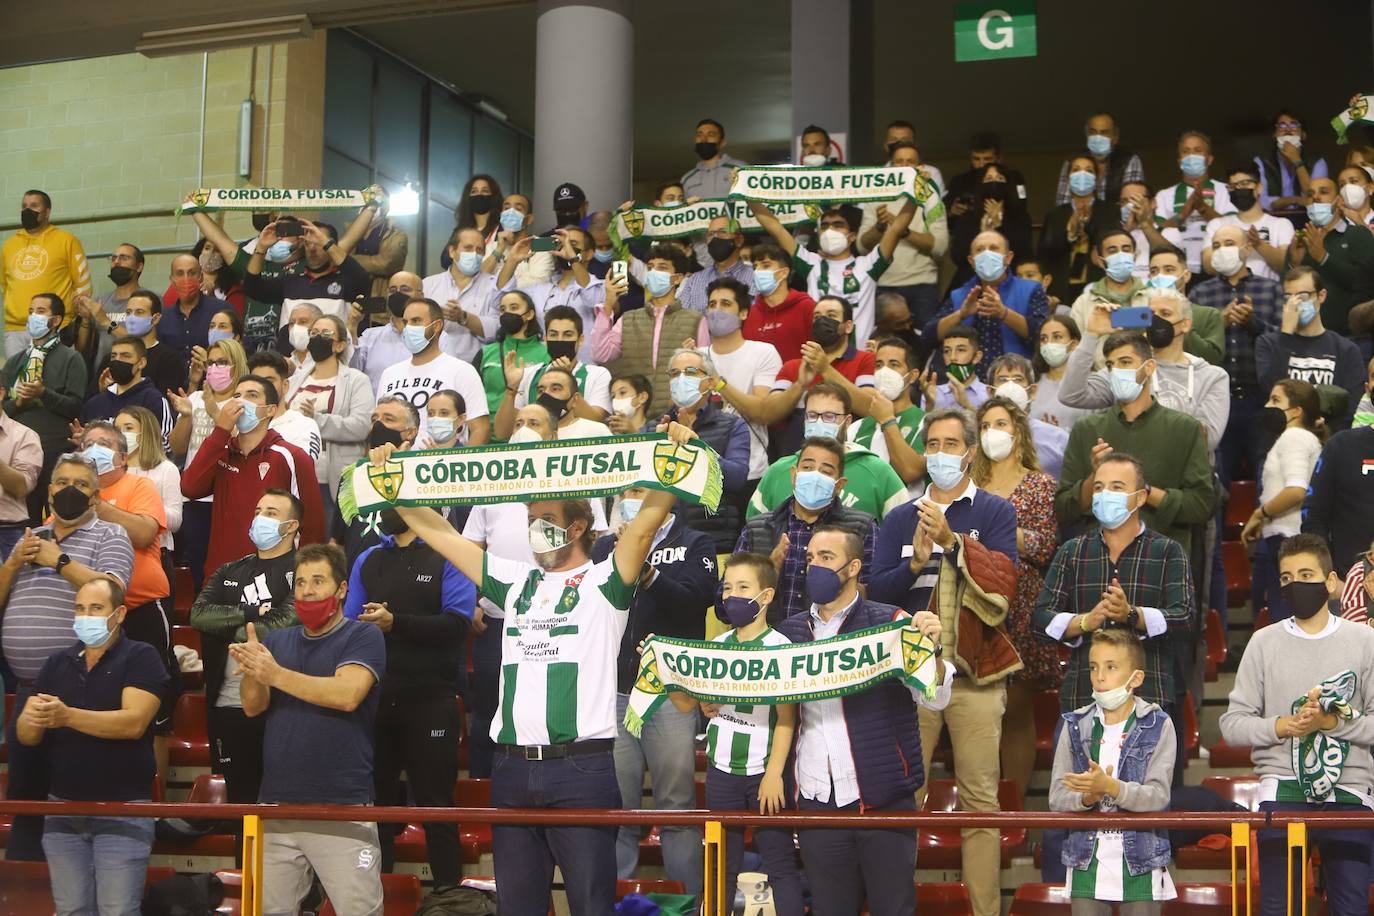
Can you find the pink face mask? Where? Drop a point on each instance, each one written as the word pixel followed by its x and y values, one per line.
pixel 218 377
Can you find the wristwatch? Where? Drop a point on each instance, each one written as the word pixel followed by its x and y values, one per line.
pixel 1132 618
pixel 62 560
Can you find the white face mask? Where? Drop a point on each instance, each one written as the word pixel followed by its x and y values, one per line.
pixel 1354 195
pixel 889 382
pixel 996 443
pixel 1014 393
pixel 834 242
pixel 1114 698
pixel 624 407
pixel 525 434
pixel 299 336
pixel 814 159
pixel 546 537
pixel 1227 260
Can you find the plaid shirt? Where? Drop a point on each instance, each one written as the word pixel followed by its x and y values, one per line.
pixel 1153 572
pixel 1133 172
pixel 792 595
pixel 1267 297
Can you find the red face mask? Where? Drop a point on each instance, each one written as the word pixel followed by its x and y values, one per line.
pixel 314 614
pixel 186 286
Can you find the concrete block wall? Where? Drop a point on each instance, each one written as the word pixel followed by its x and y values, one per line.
pixel 120 136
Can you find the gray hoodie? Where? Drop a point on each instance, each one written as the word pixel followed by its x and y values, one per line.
pixel 1194 387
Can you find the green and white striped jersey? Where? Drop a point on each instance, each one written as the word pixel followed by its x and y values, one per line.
pixel 740 736
pixel 559 644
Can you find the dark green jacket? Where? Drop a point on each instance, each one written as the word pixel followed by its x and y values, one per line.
pixel 1348 273
pixel 64 384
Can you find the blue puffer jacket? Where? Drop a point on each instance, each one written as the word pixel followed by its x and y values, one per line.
pixel 883 735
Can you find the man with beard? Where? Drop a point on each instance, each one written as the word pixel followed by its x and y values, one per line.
pixel 556 722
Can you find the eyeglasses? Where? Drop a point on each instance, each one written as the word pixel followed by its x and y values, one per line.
pixel 1288 125
pixel 121 259
pixel 829 416
pixel 690 372
pixel 1301 297
pixel 219 362
pixel 327 335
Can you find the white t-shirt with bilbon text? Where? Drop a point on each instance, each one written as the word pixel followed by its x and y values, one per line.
pixel 559 642
pixel 853 278
pixel 504 529
pixel 753 365
pixel 594 382
pixel 1194 229
pixel 1275 230
pixel 417 383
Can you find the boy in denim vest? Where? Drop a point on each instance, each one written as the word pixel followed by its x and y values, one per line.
pixel 1116 754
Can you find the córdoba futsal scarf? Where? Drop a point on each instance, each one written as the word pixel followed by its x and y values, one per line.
pixel 1318 759
pixel 835 184
pixel 258 200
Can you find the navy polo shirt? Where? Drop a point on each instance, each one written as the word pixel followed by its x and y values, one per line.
pixel 182 332
pixel 86 768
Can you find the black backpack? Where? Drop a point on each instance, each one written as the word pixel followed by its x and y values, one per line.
pixel 184 895
pixel 458 901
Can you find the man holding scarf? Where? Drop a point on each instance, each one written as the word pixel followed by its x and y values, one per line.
pixel 1302 703
pixel 556 722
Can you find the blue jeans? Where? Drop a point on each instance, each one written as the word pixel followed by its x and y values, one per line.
pixel 727 792
pixel 1345 859
pixel 98 864
pixel 525 856
pixel 668 747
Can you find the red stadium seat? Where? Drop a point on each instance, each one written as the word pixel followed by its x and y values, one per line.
pixel 475 838
pixel 939 848
pixel 627 886
pixel 401 895
pixel 1262 619
pixel 232 879
pixel 651 846
pixel 1243 790
pixel 1223 756
pixel 1040 900
pixel 189 743
pixel 25 887
pixel 1191 730
pixel 1047 715
pixel 942 899
pixel 185 588
pixel 208 789
pixel 1239 508
pixel 1236 564
pixel 1204 900
pixel 1216 644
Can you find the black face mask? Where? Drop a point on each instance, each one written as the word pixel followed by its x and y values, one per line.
pixel 826 331
pixel 320 348
pixel 559 349
pixel 261 221
pixel 1274 420
pixel 556 407
pixel 994 190
pixel 396 304
pixel 122 373
pixel 1160 333
pixel 511 323
pixel 28 219
pixel 390 523
pixel 70 504
pixel 480 203
pixel 1305 598
pixel 121 275
pixel 720 249
pixel 1243 198
pixel 381 435
pixel 707 150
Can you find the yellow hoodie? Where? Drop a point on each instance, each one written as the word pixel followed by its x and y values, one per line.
pixel 49 261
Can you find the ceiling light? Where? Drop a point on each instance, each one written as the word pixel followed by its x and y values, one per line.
pixel 213 37
pixel 405 202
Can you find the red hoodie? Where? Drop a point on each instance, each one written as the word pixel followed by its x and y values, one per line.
pixel 786 326
pixel 238 482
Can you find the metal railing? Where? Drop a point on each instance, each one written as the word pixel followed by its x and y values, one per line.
pixel 1241 826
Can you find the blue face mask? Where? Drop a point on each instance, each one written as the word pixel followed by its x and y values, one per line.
pixel 103 458
pixel 1119 266
pixel 1319 213
pixel 658 283
pixel 93 631
pixel 38 326
pixel 440 429
pixel 1307 312
pixel 512 220
pixel 813 490
pixel 820 428
pixel 248 420
pixel 629 508
pixel 1193 165
pixel 739 611
pixel 265 533
pixel 1099 145
pixel 605 257
pixel 1164 281
pixel 989 265
pixel 823 584
pixel 1082 183
pixel 138 325
pixel 469 262
pixel 214 337
pixel 279 251
pixel 414 338
pixel 685 390
pixel 1125 388
pixel 1110 509
pixel 765 281
pixel 945 469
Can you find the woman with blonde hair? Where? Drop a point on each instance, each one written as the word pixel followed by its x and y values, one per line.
pixel 1006 465
pixel 145 457
pixel 226 363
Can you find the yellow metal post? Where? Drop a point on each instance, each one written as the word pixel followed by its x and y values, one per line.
pixel 251 894
pixel 714 880
pixel 1297 840
pixel 1240 856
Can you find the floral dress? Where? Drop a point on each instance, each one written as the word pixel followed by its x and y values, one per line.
pixel 1033 500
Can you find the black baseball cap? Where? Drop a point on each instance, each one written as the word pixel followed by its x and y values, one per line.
pixel 568 196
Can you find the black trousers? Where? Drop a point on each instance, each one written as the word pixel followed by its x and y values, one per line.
pixel 416 732
pixel 236 751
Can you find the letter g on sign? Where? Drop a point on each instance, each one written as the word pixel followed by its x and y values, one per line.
pixel 997 37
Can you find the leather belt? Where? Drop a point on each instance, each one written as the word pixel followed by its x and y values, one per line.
pixel 556 751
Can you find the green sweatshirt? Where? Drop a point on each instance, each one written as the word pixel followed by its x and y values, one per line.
pixel 64 390
pixel 871 485
pixel 1347 271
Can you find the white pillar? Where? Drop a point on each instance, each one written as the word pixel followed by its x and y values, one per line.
pixel 583 102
